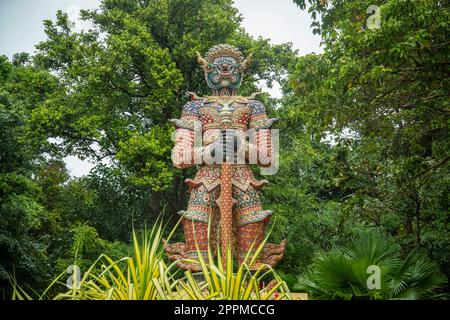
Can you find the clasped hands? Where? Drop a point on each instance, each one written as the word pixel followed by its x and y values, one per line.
pixel 226 146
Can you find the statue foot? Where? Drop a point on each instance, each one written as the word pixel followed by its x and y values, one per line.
pixel 177 252
pixel 270 255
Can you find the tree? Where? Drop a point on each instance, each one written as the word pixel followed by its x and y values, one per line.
pixel 22 250
pixel 120 81
pixel 37 231
pixel 381 96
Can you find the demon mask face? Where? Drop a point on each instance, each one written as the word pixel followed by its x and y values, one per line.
pixel 224 66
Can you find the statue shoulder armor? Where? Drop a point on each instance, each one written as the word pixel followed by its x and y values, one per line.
pixel 189 115
pixel 191 107
pixel 259 119
pixel 256 106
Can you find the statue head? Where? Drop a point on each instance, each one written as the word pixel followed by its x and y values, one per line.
pixel 224 67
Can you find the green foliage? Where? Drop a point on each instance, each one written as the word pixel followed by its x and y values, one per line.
pixel 221 282
pixel 343 273
pixel 37 207
pixel 104 94
pixel 22 216
pixel 364 128
pixel 154 144
pixel 109 202
pixel 86 244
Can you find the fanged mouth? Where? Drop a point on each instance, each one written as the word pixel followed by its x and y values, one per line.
pixel 224 76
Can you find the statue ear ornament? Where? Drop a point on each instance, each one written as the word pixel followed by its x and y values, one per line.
pixel 203 62
pixel 193 95
pixel 246 63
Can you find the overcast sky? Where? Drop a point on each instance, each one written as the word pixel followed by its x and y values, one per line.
pixel 21 29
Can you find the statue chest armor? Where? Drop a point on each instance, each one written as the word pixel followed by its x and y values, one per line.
pixel 215 117
pixel 222 115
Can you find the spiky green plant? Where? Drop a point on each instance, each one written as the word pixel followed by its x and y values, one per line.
pixel 141 277
pixel 221 282
pixel 343 273
pixel 146 276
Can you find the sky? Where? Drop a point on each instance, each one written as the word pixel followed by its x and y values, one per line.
pixel 21 28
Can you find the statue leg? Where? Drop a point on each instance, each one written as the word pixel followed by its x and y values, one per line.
pixel 195 233
pixel 250 237
pixel 195 226
pixel 251 222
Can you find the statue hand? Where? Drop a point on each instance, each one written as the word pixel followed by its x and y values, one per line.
pixel 231 143
pixel 228 142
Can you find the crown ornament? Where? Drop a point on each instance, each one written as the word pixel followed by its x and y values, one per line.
pixel 223 50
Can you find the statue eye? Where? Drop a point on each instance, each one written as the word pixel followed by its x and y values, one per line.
pixel 225 67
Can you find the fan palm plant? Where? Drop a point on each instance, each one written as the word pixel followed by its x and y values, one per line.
pixel 344 273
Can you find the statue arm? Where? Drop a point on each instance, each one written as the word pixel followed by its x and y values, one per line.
pixel 184 150
pixel 260 139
